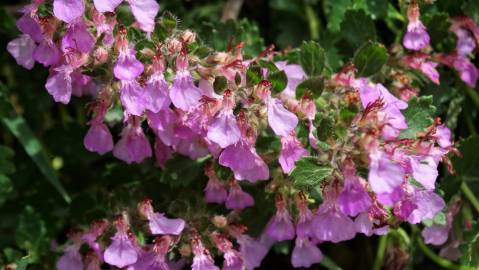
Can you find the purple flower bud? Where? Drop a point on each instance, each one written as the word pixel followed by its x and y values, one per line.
pixel 280 120
pixel 47 53
pixel 237 198
pixel 78 37
pixel 71 259
pixel 416 37
pixel 21 49
pixel 291 151
pixel 305 253
pixel 68 10
pixel 98 139
pixel 133 147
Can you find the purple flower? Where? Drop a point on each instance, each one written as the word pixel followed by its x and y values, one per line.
pixel 98 139
pixel 68 10
pixel 424 170
pixel 291 151
pixel 71 259
pixel 363 224
pixel 133 145
pixel 145 12
pixel 21 49
pixel 280 120
pixel 467 71
pixel 304 226
pixel 353 199
pixel 281 227
pixel 384 173
pixel 47 53
pixel 156 93
pixel 295 76
pixel 215 191
pixel 420 62
pixel 428 205
pixel 243 160
pixel 465 41
pixel 305 253
pixel 127 67
pixel 106 5
pixel 163 124
pixel 232 260
pixel 416 37
pixel 202 259
pixel 29 26
pixel 435 234
pixel 404 208
pixel 121 252
pixel 78 37
pixel 159 224
pixel 132 97
pixel 224 130
pixel 237 198
pixel 163 153
pixel 184 94
pixel 59 84
pixel 443 136
pixel 253 251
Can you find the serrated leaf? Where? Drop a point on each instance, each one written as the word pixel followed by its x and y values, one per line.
pixel 254 75
pixel 278 80
pixel 31 232
pixel 419 116
pixel 357 27
pixel 311 58
pixel 370 58
pixel 308 173
pixel 315 85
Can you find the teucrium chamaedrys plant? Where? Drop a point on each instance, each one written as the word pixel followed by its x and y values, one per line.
pixel 347 155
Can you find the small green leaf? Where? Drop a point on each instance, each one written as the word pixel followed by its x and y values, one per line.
pixel 254 75
pixel 419 116
pixel 357 27
pixel 278 80
pixel 314 84
pixel 31 232
pixel 308 173
pixel 220 84
pixel 312 58
pixel 370 58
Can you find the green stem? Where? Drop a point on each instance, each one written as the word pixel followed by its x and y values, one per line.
pixel 470 195
pixel 313 22
pixel 473 95
pixel 378 261
pixel 434 257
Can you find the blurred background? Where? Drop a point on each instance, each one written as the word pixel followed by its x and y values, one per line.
pixel 49 183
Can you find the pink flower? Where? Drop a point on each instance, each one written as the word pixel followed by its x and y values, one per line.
pixel 443 136
pixel 280 120
pixel 237 198
pixel 21 49
pixel 428 205
pixel 184 94
pixel 122 251
pixel 106 5
pixel 467 71
pixel 215 191
pixel 253 251
pixel 304 225
pixel 202 259
pixel 59 84
pixel 232 258
pixel 158 223
pixel 157 90
pixel 47 53
pixel 291 151
pixel 295 76
pixel 163 124
pixel 243 160
pixel 132 97
pixel 78 37
pixel 133 147
pixel 144 11
pixel 98 139
pixel 127 67
pixel 436 234
pixel 68 10
pixel 163 153
pixel 71 259
pixel 224 130
pixel 465 40
pixel 424 170
pixel 420 62
pixel 305 253
pixel 384 173
pixel 28 23
pixel 354 198
pixel 416 37
pixel 281 227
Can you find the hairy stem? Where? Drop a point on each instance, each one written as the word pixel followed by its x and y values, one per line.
pixel 378 261
pixel 470 196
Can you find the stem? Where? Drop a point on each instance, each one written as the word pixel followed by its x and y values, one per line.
pixel 470 195
pixel 434 257
pixel 329 263
pixel 473 95
pixel 313 22
pixel 378 262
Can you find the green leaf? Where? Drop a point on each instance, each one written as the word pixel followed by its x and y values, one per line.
pixel 357 28
pixel 314 84
pixel 254 75
pixel 219 84
pixel 6 187
pixel 379 8
pixel 311 58
pixel 335 10
pixel 19 127
pixel 308 173
pixel 31 232
pixel 182 171
pixel 419 116
pixel 278 80
pixel 6 165
pixel 370 58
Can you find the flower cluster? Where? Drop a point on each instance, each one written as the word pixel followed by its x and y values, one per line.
pixel 378 178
